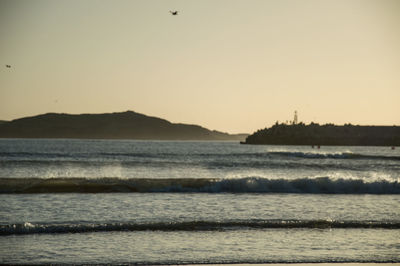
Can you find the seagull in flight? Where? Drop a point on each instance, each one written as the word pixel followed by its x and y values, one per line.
pixel 174 13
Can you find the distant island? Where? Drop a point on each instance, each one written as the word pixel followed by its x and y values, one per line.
pixel 329 134
pixel 123 125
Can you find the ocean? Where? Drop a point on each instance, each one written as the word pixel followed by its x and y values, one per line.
pixel 66 201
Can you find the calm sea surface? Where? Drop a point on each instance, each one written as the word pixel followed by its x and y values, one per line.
pixel 160 202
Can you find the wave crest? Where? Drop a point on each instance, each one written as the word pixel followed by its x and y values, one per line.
pixel 29 228
pixel 319 185
pixel 338 155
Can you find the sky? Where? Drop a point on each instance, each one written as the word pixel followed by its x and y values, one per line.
pixel 230 65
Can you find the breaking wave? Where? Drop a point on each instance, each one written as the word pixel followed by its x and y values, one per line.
pixel 339 155
pixel 37 228
pixel 319 185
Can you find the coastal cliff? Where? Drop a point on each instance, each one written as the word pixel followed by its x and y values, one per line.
pixel 329 134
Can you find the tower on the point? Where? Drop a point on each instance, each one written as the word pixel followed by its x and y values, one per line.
pixel 295 118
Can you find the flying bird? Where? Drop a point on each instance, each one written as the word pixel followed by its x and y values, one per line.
pixel 174 13
pixel 8 66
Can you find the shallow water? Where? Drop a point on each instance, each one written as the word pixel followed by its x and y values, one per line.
pixel 205 202
pixel 224 246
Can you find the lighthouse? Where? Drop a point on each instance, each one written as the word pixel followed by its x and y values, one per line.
pixel 295 118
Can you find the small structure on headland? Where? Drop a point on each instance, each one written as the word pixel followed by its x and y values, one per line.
pixel 295 118
pixel 328 134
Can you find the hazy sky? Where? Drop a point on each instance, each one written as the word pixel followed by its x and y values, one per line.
pixel 234 66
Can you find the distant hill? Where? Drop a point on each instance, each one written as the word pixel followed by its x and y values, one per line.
pixel 124 125
pixel 315 134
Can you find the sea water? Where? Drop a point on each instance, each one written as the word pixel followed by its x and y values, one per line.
pixel 161 202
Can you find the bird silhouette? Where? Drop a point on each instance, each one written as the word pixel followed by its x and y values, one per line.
pixel 8 66
pixel 174 13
